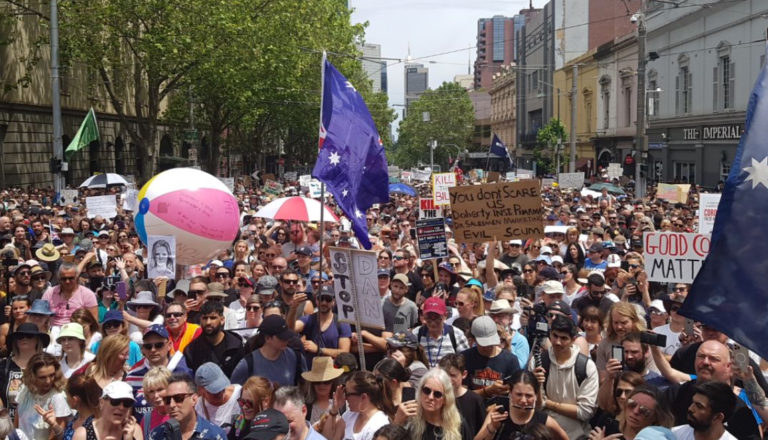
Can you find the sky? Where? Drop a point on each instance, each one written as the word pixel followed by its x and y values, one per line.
pixel 428 28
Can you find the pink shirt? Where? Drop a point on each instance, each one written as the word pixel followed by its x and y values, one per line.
pixel 83 297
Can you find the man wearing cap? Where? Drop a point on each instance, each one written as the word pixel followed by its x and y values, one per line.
pixel 69 296
pixel 180 398
pixel 218 402
pixel 245 286
pixel 223 347
pixel 400 313
pixel 156 348
pixel 180 332
pixel 266 288
pixel 437 337
pixel 275 360
pixel 304 260
pixel 384 280
pixel 269 424
pixel 502 313
pixel 487 364
pixel 594 261
pixel 290 402
pixel 595 296
pixel 321 332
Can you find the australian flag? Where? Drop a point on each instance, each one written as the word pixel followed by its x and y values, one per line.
pixel 351 161
pixel 498 148
pixel 730 292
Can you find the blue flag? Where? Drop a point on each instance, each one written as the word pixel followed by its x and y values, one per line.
pixel 730 292
pixel 498 148
pixel 351 161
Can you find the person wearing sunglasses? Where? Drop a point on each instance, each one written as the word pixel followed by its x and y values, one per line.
pixel 289 286
pixel 256 396
pixel 69 296
pixel 644 407
pixel 180 332
pixel 323 334
pixel 434 413
pixel 114 418
pixel 180 398
pixel 367 399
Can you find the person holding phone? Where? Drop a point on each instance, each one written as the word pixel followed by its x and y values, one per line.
pixel 471 406
pixel 436 415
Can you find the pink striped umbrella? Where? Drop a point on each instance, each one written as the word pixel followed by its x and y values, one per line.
pixel 296 208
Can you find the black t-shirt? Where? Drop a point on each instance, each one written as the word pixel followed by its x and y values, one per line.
pixel 510 430
pixel 741 424
pixel 436 433
pixel 472 408
pixel 10 383
pixel 483 371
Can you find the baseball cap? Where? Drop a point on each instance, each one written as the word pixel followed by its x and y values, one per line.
pixel 403 278
pixel 266 285
pixel 157 329
pixel 552 287
pixel 484 331
pixel 658 305
pixel 267 425
pixel 596 247
pixel 326 291
pixel 560 306
pixel 384 273
pixel 304 250
pixel 210 377
pixel 118 390
pixel 516 242
pixel 275 325
pixel 613 261
pixel 549 273
pixel 435 305
pixel 546 250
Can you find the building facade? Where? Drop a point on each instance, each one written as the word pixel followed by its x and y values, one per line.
pixel 495 48
pixel 374 67
pixel 503 106
pixel 416 82
pixel 705 60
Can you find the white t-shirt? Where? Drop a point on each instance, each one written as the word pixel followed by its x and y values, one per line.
pixel 67 370
pixel 29 420
pixel 685 432
pixel 239 311
pixel 378 420
pixel 220 415
pixel 673 339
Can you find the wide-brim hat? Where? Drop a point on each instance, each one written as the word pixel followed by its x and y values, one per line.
pixel 143 298
pixel 37 270
pixel 31 329
pixel 71 330
pixel 40 307
pixel 48 252
pixel 322 370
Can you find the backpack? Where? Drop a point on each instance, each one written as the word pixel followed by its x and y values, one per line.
pixel 446 329
pixel 580 368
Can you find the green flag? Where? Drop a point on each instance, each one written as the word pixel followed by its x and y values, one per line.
pixel 87 133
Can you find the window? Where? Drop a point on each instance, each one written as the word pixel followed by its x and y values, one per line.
pixel 498 39
pixel 605 95
pixel 627 106
pixel 653 100
pixel 725 169
pixel 685 172
pixel 723 81
pixel 683 91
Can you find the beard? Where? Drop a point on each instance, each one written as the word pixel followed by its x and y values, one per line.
pixel 698 425
pixel 210 331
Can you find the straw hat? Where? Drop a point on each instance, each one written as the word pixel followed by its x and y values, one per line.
pixel 48 253
pixel 322 370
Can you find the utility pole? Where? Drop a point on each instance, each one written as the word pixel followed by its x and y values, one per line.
pixel 58 148
pixel 641 146
pixel 432 146
pixel 574 98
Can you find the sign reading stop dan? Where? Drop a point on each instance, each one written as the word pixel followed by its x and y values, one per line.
pixel 500 211
pixel 672 257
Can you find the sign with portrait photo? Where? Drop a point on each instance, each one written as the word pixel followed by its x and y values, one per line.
pixel 161 260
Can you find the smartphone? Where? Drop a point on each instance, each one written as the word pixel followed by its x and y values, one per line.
pixel 409 394
pixel 122 290
pixel 413 234
pixel 741 357
pixel 689 326
pixel 617 352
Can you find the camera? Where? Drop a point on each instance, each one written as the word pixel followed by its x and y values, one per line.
pixel 652 338
pixel 539 318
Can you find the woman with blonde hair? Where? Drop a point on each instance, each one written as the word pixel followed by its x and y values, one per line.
pixel 256 395
pixel 469 304
pixel 110 362
pixel 434 414
pixel 242 252
pixel 621 320
pixel 42 407
pixel 153 385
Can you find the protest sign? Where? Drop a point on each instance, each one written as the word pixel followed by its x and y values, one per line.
pixel 497 211
pixel 673 257
pixel 673 193
pixel 406 176
pixel 422 176
pixel 441 182
pixel 69 197
pixel 614 170
pixel 268 176
pixel 131 200
pixel 272 187
pixel 315 188
pixel 428 209
pixel 510 176
pixel 161 251
pixel 356 284
pixel 430 234
pixel 229 182
pixel 571 180
pixel 547 182
pixel 290 176
pixel 493 176
pixel 524 174
pixel 393 171
pixel 304 179
pixel 707 212
pixel 105 206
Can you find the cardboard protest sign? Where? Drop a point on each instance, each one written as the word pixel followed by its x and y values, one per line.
pixel 105 206
pixel 69 197
pixel 272 187
pixel 430 234
pixel 571 180
pixel 290 176
pixel 493 176
pixel 441 182
pixel 304 179
pixel 707 212
pixel 428 209
pixel 501 211
pixel 161 251
pixel 674 257
pixel 268 176
pixel 614 170
pixel 131 200
pixel 673 193
pixel 356 284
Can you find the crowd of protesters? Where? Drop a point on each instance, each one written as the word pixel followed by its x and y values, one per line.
pixel 560 337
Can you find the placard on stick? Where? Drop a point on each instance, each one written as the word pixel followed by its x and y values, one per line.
pixel 355 281
pixel 431 238
pixel 501 211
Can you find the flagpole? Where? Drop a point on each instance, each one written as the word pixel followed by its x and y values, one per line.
pixel 322 184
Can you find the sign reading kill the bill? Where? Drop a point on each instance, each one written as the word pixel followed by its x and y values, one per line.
pixel 499 211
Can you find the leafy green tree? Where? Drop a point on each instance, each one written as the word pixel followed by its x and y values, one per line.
pixel 546 143
pixel 451 119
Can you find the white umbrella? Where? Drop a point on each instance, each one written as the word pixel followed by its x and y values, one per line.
pixel 296 208
pixel 103 181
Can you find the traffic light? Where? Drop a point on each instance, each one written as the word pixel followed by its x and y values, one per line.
pixel 54 165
